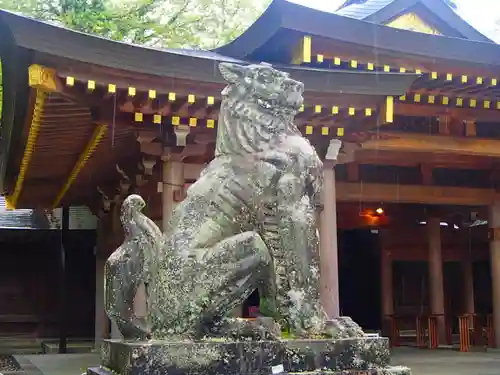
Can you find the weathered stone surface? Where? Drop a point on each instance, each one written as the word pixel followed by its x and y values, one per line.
pixel 248 222
pixel 220 357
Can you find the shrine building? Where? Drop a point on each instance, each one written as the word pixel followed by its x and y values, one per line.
pixel 410 212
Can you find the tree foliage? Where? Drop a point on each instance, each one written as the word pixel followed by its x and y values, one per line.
pixel 159 23
pixel 170 23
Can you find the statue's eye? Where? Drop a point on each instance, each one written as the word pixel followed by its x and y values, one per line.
pixel 266 77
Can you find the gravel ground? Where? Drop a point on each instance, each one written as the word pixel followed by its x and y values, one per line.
pixel 8 363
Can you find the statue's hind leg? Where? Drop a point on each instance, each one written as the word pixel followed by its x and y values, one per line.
pixel 123 273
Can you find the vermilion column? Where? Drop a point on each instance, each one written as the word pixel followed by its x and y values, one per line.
pixel 329 269
pixel 173 180
pixel 494 222
pixel 469 286
pixel 436 274
pixel 386 276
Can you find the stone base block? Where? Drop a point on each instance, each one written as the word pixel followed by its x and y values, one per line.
pixel 360 356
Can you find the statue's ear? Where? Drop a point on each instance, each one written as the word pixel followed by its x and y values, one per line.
pixel 233 73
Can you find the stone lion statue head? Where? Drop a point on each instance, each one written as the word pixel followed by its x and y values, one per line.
pixel 274 91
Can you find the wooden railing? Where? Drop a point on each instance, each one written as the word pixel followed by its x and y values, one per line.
pixel 474 331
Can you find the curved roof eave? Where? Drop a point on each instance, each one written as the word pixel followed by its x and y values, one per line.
pixel 286 15
pixel 184 64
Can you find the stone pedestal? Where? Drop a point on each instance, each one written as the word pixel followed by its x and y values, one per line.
pixel 363 355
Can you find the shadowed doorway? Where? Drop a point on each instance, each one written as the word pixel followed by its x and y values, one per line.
pixel 359 277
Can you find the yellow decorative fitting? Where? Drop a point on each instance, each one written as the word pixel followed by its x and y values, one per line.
pixel 446 100
pixel 370 66
pixel 138 117
pixel 449 77
pixel 434 75
pixel 460 102
pixel 479 80
pixel 210 123
pixel 306 49
pixel 498 105
pixel 340 132
pixel 418 71
pixel 317 109
pixel 337 61
pixel 368 111
pixel 494 82
pixel 320 58
pixel 301 109
pixel 387 68
pixel 191 98
pixel 34 131
pixel 40 77
pixel 335 110
pixel 473 103
pixel 324 130
pixel 487 104
pixel 354 64
pixel 94 141
pixel 402 98
pixel 70 81
pixel 91 85
pixel 176 120
pixel 402 70
pixel 309 129
pixel 431 99
pixel 131 91
pixel 152 94
pixel 210 100
pixel 193 121
pixel 111 88
pixel 465 79
pixel 352 111
pixel 171 96
pixel 417 98
pixel 157 119
pixel 389 109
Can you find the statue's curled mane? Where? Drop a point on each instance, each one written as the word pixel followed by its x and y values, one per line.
pixel 254 111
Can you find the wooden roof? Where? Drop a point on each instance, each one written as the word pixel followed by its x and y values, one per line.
pixel 271 37
pixel 436 12
pixel 77 106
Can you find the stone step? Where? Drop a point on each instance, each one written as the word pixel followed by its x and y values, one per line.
pixel 52 347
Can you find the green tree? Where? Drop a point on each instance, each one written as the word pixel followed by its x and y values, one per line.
pixel 160 23
pixel 171 23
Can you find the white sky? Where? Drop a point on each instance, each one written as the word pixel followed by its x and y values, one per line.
pixel 481 14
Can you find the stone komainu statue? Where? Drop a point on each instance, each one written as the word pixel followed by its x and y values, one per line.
pixel 247 223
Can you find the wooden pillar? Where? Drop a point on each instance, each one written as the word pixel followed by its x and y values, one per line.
pixel 173 181
pixel 386 276
pixel 436 275
pixel 329 270
pixel 494 222
pixel 63 293
pixel 468 272
pixel 100 313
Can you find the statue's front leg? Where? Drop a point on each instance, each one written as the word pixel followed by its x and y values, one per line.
pixel 300 247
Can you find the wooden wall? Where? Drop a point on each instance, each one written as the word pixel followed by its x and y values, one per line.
pixel 30 280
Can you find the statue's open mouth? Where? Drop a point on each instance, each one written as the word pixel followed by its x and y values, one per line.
pixel 292 104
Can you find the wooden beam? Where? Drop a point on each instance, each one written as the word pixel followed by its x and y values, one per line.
pixel 435 195
pixel 415 159
pixel 412 142
pixel 422 110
